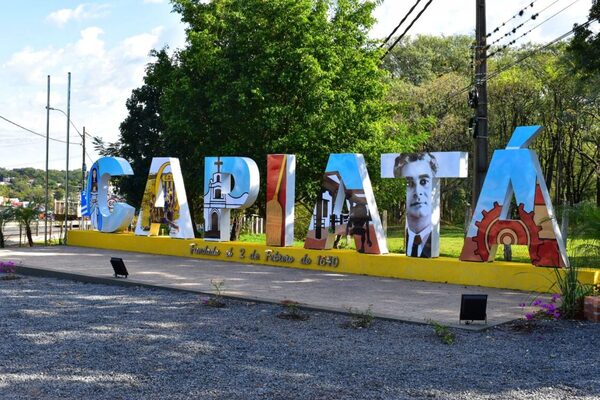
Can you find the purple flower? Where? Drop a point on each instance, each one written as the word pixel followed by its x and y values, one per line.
pixel 555 297
pixel 556 314
pixel 536 302
pixel 522 305
pixel 528 316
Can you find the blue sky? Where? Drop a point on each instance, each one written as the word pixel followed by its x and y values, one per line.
pixel 105 45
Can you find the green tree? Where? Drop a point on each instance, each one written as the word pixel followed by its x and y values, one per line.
pixel 25 216
pixel 543 89
pixel 6 215
pixel 584 48
pixel 141 133
pixel 283 76
pixel 424 58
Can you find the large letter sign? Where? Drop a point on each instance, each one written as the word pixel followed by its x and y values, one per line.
pixel 229 182
pixel 103 219
pixel 346 206
pixel 281 181
pixel 422 172
pixel 165 201
pixel 515 169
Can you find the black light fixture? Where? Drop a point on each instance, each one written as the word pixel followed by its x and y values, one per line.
pixel 473 308
pixel 119 267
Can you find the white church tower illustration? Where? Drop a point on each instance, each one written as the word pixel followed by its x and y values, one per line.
pixel 219 199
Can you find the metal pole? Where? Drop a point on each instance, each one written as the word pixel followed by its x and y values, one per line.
pixel 47 151
pixel 83 167
pixel 67 175
pixel 480 162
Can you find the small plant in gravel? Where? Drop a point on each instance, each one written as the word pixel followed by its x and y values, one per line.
pixel 8 268
pixel 543 310
pixel 360 319
pixel 292 311
pixel 443 332
pixel 216 300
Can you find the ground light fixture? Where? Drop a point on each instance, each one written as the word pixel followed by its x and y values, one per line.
pixel 473 308
pixel 119 267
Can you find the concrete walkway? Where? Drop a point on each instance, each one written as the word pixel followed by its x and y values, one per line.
pixel 403 300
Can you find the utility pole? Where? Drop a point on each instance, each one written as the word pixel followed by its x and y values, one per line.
pixel 480 161
pixel 67 175
pixel 47 151
pixel 83 167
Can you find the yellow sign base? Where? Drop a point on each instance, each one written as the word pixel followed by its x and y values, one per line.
pixel 505 275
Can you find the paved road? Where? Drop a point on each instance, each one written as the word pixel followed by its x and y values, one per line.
pixel 390 298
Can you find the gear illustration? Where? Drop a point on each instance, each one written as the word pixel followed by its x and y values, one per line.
pixel 492 231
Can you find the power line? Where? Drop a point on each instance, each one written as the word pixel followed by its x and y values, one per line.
pixel 71 122
pixel 24 165
pixel 90 157
pixel 398 26
pixel 406 30
pixel 535 27
pixel 523 58
pixel 21 143
pixel 33 132
pixel 516 28
pixel 520 13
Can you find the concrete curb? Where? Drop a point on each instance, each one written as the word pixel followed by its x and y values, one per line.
pixel 126 282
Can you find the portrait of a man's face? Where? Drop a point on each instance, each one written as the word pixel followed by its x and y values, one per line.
pixel 419 171
pixel 422 173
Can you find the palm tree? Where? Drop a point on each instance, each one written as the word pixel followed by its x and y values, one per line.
pixel 6 215
pixel 25 216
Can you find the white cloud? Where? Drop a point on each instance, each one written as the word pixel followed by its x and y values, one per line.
pixel 90 43
pixel 79 13
pixel 103 77
pixel 139 46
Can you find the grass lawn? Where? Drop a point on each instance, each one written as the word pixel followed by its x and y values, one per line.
pixel 451 242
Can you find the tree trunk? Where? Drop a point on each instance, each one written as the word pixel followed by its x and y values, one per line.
pixel 1 239
pixel 236 227
pixel 28 233
pixel 507 252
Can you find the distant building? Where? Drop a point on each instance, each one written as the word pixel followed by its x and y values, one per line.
pixel 74 208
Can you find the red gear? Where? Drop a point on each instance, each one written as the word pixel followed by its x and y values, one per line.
pixel 492 231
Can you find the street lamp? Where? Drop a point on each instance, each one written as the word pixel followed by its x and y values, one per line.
pixel 47 150
pixel 68 115
pixel 82 136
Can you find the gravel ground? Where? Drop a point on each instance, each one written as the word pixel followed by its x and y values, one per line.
pixel 69 340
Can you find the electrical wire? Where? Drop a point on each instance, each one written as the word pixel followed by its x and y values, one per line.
pixel 33 132
pixel 24 165
pixel 406 30
pixel 22 143
pixel 516 28
pixel 520 13
pixel 529 31
pixel 71 122
pixel 523 58
pixel 398 26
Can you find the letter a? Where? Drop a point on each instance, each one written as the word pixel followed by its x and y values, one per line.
pixel 515 170
pixel 346 206
pixel 165 201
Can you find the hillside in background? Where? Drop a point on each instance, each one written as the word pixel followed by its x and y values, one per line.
pixel 29 184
